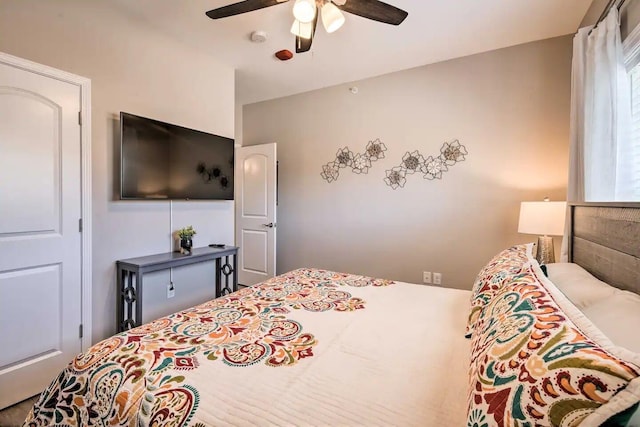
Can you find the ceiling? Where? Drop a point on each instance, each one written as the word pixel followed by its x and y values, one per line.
pixel 435 30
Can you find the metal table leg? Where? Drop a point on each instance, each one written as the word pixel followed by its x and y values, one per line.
pixel 235 272
pixel 218 277
pixel 120 299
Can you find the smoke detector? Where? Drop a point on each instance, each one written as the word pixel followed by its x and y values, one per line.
pixel 259 36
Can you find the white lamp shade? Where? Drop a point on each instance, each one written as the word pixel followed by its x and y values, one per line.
pixel 302 29
pixel 332 17
pixel 542 218
pixel 304 10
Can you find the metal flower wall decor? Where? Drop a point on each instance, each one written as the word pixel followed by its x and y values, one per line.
pixel 359 163
pixel 430 167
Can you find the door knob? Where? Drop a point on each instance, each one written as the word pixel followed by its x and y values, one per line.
pixel 270 225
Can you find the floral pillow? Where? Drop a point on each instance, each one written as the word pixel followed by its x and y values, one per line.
pixel 536 360
pixel 493 277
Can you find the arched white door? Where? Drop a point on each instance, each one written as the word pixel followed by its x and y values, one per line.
pixel 256 212
pixel 40 238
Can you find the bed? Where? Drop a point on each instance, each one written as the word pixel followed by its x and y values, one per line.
pixel 314 347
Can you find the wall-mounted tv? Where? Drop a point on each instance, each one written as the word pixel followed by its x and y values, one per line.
pixel 165 161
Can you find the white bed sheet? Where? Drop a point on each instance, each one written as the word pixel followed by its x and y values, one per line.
pixel 403 360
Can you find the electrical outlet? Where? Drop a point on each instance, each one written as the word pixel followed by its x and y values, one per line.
pixel 426 277
pixel 437 278
pixel 171 291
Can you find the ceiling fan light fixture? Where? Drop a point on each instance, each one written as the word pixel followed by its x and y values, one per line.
pixel 332 17
pixel 304 10
pixel 302 29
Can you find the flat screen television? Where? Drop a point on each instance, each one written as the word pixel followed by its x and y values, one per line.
pixel 165 161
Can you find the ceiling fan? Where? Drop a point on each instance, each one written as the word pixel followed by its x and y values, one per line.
pixel 306 13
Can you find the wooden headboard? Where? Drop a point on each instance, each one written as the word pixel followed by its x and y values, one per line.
pixel 605 240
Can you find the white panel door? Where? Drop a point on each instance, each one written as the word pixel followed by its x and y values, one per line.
pixel 256 213
pixel 40 241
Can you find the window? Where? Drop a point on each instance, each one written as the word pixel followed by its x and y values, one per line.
pixel 628 176
pixel 629 155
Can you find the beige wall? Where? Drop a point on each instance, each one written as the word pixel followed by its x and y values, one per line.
pixel 509 107
pixel 136 70
pixel 630 17
pixel 593 13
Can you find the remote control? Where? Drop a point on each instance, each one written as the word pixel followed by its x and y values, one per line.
pixel 217 245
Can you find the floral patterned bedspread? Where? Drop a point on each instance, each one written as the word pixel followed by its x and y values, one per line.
pixel 153 374
pixel 537 360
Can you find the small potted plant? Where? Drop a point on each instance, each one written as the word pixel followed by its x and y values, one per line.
pixel 186 243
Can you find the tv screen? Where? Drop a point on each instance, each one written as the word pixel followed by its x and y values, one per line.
pixel 164 161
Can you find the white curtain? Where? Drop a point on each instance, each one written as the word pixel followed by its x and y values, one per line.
pixel 607 113
pixel 600 116
pixel 576 187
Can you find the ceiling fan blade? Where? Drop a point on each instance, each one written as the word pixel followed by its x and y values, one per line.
pixel 241 7
pixel 376 10
pixel 304 45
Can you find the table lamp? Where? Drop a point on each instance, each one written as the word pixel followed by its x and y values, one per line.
pixel 545 219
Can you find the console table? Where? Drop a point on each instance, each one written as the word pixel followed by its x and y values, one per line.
pixel 131 274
